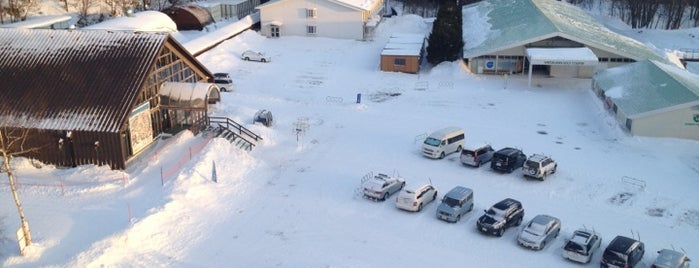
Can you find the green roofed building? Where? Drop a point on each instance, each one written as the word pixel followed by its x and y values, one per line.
pixel 543 36
pixel 651 98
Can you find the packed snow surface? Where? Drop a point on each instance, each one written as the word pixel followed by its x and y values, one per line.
pixel 295 200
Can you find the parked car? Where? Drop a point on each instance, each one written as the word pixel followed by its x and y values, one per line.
pixel 507 159
pixel 499 217
pixel 443 142
pixel 222 75
pixel 477 155
pixel 581 246
pixel 255 55
pixel 623 252
pixel 414 200
pixel 671 259
pixel 541 230
pixel 455 203
pixel 382 186
pixel 225 84
pixel 538 166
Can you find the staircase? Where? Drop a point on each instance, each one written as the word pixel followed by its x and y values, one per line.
pixel 226 128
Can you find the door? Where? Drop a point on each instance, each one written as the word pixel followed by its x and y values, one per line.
pixel 274 30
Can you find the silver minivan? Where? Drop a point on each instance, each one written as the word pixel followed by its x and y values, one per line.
pixel 456 203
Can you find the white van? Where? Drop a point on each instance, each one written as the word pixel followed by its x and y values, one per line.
pixel 443 142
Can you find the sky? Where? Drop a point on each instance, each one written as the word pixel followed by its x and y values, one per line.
pixel 295 199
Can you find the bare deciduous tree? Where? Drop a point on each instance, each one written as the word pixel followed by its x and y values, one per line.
pixel 12 143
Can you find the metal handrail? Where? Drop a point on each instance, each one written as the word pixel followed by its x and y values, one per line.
pixel 230 124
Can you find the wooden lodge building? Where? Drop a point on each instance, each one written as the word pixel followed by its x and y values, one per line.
pixel 96 97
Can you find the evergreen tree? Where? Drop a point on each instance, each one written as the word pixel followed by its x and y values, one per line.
pixel 446 42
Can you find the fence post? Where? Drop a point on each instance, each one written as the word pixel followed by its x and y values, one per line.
pixel 128 207
pixel 60 180
pixel 162 181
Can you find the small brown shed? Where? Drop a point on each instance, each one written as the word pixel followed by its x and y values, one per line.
pixel 189 17
pixel 403 53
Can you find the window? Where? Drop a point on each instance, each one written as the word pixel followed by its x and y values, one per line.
pixel 311 13
pixel 311 29
pixel 399 61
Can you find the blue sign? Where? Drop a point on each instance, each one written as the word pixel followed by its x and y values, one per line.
pixel 490 64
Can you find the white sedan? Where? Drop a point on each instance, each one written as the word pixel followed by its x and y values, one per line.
pixel 381 186
pixel 256 56
pixel 414 200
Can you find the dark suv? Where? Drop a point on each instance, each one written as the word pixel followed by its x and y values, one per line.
pixel 499 217
pixel 507 159
pixel 623 252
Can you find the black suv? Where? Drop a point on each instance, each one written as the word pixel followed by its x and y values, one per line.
pixel 499 217
pixel 623 252
pixel 507 159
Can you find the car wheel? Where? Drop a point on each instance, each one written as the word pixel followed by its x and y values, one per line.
pixel 434 197
pixel 458 218
pixel 458 149
pixel 385 196
pixel 402 185
pixel 554 169
pixel 441 156
pixel 247 58
pixel 501 231
pixel 419 207
pixel 519 221
pixel 543 245
pixel 263 60
pixel 470 208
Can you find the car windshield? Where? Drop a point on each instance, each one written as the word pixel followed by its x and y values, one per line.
pixel 532 164
pixel 432 141
pixel 496 214
pixel 451 202
pixel 575 247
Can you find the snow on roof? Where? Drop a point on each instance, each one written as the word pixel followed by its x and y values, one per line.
pixel 648 87
pixel 404 45
pixel 365 5
pixel 562 56
pixel 146 21
pixel 38 21
pixel 503 24
pixel 198 45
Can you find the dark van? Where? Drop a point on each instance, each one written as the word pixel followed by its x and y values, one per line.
pixel 507 159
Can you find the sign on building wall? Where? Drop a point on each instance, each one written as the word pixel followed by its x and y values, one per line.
pixel 140 127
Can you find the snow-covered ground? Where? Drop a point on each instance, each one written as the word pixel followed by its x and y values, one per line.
pixel 294 201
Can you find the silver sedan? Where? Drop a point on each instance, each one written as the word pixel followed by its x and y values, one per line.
pixel 540 231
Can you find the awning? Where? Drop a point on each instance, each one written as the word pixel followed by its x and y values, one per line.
pixel 188 95
pixel 272 22
pixel 578 56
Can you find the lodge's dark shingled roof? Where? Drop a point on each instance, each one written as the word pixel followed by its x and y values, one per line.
pixel 72 80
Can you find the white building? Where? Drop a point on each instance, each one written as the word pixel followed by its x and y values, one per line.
pixel 651 98
pixel 348 19
pixel 548 37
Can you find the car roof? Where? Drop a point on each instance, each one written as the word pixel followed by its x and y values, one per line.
pixel 669 257
pixel 543 219
pixel 477 147
pixel 507 151
pixel 622 244
pixel 505 204
pixel 537 157
pixel 458 191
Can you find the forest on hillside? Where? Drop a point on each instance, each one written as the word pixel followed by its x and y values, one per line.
pixel 652 14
